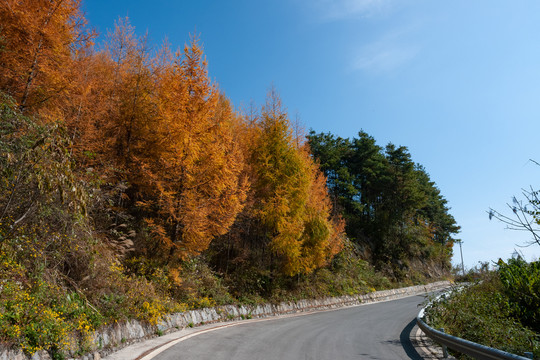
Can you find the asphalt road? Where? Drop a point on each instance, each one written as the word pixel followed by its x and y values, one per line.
pixel 375 331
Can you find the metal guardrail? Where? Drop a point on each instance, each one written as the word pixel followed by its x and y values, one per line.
pixel 463 346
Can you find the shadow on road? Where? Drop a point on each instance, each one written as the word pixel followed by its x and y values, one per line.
pixel 405 339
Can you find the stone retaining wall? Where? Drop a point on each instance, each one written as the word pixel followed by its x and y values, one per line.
pixel 117 336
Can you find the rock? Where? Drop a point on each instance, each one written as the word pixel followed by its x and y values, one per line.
pixel 41 355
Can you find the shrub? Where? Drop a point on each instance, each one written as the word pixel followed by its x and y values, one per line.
pixel 198 285
pixel 481 313
pixel 39 316
pixel 521 285
pixel 59 281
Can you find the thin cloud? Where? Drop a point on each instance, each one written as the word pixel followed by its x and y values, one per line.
pixel 330 10
pixel 387 54
pixel 384 59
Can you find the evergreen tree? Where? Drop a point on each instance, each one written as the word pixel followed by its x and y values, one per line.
pixel 393 212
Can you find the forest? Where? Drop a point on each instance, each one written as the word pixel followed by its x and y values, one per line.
pixel 132 187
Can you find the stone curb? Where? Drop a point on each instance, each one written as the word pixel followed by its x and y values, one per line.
pixel 115 337
pixel 430 349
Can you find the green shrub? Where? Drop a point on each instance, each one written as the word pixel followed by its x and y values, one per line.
pixel 40 316
pixel 521 284
pixel 199 286
pixel 481 313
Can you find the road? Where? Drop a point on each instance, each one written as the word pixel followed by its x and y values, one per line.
pixel 375 331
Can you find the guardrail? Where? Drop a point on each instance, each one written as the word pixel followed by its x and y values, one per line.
pixel 463 346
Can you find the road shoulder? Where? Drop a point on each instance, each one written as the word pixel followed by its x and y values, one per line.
pixel 148 349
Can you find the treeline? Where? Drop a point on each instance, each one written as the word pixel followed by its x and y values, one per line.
pixel 393 211
pixel 131 183
pixel 152 128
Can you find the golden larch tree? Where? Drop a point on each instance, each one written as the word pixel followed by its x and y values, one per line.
pixel 288 202
pixel 201 187
pixel 38 39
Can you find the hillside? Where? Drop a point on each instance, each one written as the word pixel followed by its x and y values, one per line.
pixel 131 187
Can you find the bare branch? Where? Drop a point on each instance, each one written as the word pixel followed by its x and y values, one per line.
pixel 526 215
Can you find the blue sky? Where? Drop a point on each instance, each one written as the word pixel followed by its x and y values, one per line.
pixel 457 82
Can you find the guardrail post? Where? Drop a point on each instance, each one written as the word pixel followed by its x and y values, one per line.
pixel 444 348
pixel 529 355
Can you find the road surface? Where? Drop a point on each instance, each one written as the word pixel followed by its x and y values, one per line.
pixel 375 331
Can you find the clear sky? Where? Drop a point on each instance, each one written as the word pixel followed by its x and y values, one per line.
pixel 457 82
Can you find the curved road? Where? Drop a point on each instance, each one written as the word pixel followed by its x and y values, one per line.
pixel 375 331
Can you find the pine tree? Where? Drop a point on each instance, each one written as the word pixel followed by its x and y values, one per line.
pixel 392 210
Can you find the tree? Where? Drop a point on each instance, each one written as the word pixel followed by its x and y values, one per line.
pixel 324 232
pixel 435 210
pixel 393 211
pixel 39 193
pixel 332 154
pixel 37 40
pixel 196 186
pixel 160 128
pixel 287 227
pixel 403 199
pixel 281 186
pixel 526 215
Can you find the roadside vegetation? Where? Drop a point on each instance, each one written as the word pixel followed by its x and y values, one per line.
pixel 500 309
pixel 130 187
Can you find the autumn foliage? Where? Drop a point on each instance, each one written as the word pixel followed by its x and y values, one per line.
pixel 172 155
pixel 149 174
pixel 291 202
pixel 131 187
pixel 39 41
